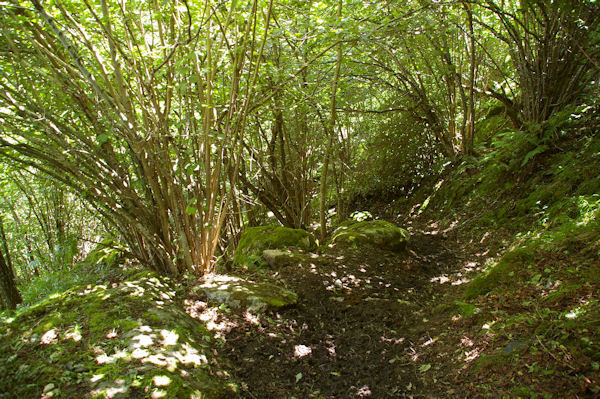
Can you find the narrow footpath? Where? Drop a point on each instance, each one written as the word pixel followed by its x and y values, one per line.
pixel 357 329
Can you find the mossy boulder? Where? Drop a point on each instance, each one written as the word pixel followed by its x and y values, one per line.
pixel 238 293
pixel 255 240
pixel 108 252
pixel 378 233
pixel 124 340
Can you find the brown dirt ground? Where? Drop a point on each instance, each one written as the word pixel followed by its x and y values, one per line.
pixel 357 330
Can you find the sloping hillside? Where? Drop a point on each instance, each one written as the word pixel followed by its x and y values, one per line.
pixel 520 316
pixel 496 295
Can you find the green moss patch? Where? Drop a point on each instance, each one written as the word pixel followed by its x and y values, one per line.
pixel 254 240
pixel 378 233
pixel 129 339
pixel 505 271
pixel 109 252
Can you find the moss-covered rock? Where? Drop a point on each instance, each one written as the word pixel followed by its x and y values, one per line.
pixel 254 240
pixel 127 340
pixel 108 252
pixel 238 293
pixel 378 233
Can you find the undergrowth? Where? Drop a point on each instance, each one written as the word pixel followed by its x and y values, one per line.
pixel 104 262
pixel 531 201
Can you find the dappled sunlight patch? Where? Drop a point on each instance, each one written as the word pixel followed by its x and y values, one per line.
pixel 49 337
pixel 413 354
pixel 211 316
pixel 189 355
pixel 112 343
pixel 137 290
pixel 473 354
pixel 158 394
pixel 314 269
pixel 573 314
pixel 161 380
pixel 143 340
pixel 302 351
pixel 429 341
pixel 440 279
pixel 251 318
pixel 243 294
pixel 364 392
pixel 111 389
pixel 393 340
pixel 140 353
pixel 74 333
pixel 169 338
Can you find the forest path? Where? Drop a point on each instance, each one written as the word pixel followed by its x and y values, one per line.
pixel 356 332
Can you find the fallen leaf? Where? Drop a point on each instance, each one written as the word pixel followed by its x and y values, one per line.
pixel 424 367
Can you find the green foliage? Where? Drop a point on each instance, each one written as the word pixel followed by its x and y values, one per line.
pixel 533 197
pixel 391 158
pixel 361 216
pixel 102 263
pixel 51 283
pixel 45 223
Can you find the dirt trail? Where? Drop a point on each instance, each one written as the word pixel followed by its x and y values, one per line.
pixel 354 331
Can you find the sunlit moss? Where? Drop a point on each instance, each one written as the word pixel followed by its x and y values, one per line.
pixel 104 335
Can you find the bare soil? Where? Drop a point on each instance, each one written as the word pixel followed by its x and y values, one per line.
pixel 357 330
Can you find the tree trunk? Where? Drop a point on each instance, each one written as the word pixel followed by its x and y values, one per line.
pixel 8 288
pixel 469 133
pixel 330 135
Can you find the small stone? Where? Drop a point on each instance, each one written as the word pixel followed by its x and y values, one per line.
pixel 238 293
pixel 276 258
pixel 518 345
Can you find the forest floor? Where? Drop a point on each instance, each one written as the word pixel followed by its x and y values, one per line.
pixel 378 324
pixel 361 327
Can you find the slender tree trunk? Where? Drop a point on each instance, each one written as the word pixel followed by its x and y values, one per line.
pixel 8 289
pixel 469 133
pixel 5 246
pixel 330 135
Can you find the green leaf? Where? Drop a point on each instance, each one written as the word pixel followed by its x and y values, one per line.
pixel 537 150
pixel 298 377
pixel 424 367
pixel 102 138
pixel 191 210
pixel 536 279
